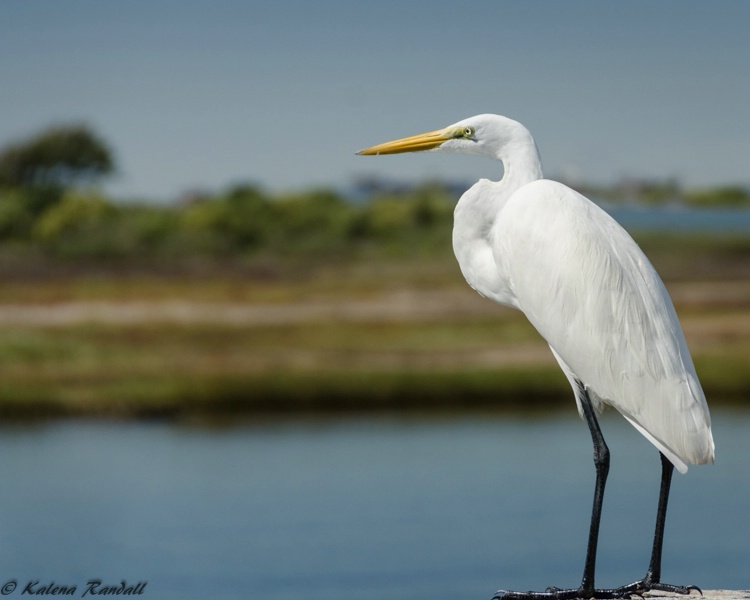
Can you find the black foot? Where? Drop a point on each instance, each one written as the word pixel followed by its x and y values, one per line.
pixel 637 588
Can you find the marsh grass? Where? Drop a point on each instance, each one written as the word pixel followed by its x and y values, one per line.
pixel 356 333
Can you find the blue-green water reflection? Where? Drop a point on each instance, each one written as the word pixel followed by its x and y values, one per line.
pixel 360 508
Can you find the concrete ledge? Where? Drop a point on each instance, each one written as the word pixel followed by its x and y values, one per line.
pixel 707 595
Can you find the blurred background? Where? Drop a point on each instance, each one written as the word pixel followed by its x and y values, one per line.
pixel 238 360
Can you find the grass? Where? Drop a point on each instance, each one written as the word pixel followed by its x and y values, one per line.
pixel 167 369
pixel 350 335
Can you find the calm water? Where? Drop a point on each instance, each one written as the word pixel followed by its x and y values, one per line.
pixel 357 509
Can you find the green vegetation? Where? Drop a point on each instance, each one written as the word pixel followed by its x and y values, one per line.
pixel 50 208
pixel 368 336
pixel 45 165
pixel 246 302
pixel 730 197
pixel 655 193
pixel 235 226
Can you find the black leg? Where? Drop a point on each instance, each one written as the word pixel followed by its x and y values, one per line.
pixel 601 462
pixel 654 567
pixel 652 580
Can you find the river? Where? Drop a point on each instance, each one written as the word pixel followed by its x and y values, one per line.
pixel 359 508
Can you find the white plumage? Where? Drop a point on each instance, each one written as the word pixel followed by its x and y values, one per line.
pixel 592 294
pixel 540 247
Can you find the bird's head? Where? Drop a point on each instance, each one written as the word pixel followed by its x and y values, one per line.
pixel 485 135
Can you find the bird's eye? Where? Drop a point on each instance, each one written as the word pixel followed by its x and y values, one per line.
pixel 464 133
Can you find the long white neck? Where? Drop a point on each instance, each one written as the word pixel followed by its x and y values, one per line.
pixel 521 163
pixel 481 206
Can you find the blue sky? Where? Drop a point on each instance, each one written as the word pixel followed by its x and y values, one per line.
pixel 206 94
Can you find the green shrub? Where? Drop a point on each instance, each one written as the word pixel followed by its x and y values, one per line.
pixel 730 197
pixel 16 218
pixel 241 220
pixel 81 224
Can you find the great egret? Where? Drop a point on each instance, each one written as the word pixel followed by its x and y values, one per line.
pixel 540 247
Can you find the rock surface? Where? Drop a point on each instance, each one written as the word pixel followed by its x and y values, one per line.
pixel 707 595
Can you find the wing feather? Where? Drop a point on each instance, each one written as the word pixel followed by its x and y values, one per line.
pixel 593 295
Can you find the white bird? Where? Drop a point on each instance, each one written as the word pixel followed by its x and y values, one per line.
pixel 540 247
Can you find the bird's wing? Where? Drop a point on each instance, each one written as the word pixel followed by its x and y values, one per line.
pixel 593 295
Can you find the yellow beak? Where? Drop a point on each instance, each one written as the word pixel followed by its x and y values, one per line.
pixel 416 143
